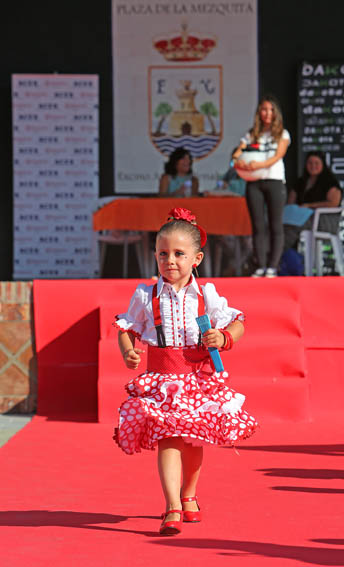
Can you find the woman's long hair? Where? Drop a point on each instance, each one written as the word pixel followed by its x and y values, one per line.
pixel 277 123
pixel 176 155
pixel 325 178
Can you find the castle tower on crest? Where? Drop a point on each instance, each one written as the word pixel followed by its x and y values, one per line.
pixel 187 120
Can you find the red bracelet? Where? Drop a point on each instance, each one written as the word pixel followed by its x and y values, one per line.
pixel 228 344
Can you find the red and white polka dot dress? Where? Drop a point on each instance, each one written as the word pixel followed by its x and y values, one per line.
pixel 180 395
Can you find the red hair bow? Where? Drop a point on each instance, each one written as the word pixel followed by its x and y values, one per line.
pixel 178 213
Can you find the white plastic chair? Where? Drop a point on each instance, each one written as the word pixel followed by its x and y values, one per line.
pixel 313 244
pixel 119 238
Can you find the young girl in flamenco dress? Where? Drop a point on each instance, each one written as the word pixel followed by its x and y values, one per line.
pixel 179 403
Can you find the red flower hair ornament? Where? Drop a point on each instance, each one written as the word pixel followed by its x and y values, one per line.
pixel 179 213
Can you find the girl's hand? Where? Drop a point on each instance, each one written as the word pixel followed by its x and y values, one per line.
pixel 180 192
pixel 253 165
pixel 132 357
pixel 240 164
pixel 213 338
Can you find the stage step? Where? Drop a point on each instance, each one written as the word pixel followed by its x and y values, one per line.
pixel 289 363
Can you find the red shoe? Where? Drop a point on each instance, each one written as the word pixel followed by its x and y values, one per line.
pixel 192 516
pixel 171 528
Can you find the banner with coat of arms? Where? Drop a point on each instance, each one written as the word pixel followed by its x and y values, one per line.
pixel 185 75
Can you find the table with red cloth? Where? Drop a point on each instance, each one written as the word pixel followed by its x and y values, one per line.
pixel 217 215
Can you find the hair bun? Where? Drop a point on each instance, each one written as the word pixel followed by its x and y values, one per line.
pixel 179 213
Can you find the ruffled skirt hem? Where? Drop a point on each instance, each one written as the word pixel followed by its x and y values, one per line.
pixel 198 407
pixel 194 441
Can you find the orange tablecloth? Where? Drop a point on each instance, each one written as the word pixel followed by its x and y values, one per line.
pixel 218 215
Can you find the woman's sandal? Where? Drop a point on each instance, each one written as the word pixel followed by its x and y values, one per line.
pixel 174 526
pixel 192 516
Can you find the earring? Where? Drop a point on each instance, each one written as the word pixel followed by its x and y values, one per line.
pixel 194 265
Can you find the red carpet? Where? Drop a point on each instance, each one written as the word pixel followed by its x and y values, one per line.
pixel 69 497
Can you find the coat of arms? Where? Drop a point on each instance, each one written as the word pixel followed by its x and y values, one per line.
pixel 185 102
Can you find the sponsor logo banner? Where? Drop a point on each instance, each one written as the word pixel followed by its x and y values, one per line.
pixel 55 172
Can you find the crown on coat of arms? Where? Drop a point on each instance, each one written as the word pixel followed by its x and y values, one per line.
pixel 185 46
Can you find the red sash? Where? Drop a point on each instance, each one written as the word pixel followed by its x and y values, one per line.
pixel 178 360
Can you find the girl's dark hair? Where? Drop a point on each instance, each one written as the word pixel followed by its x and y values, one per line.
pixel 277 123
pixel 175 156
pixel 184 226
pixel 325 179
pixel 326 176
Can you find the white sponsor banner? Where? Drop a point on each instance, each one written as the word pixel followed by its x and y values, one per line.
pixel 55 175
pixel 185 74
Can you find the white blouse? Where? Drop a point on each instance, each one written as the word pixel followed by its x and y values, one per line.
pixel 179 310
pixel 269 146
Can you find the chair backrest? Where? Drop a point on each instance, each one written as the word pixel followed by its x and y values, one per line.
pixel 325 211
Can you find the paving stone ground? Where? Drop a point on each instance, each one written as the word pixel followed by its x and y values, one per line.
pixel 10 424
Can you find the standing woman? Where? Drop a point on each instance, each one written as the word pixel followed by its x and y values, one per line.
pixel 271 140
pixel 178 180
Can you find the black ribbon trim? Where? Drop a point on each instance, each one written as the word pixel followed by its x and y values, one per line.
pixel 160 336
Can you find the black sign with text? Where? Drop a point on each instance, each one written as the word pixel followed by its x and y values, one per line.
pixel 321 121
pixel 321 114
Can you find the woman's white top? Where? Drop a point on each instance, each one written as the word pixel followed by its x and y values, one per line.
pixel 179 310
pixel 269 146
